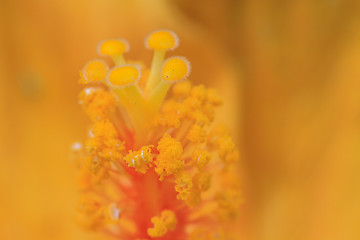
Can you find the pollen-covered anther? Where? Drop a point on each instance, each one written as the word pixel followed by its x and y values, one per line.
pixel 112 149
pixel 169 159
pixel 162 224
pixel 114 48
pixel 94 71
pixel 140 160
pixel 200 157
pixel 202 180
pixel 162 40
pixel 196 134
pixel 225 146
pixel 183 185
pixel 182 89
pixel 228 201
pixel 104 129
pixel 199 92
pixel 97 103
pixel 89 213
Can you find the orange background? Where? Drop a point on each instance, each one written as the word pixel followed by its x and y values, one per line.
pixel 289 73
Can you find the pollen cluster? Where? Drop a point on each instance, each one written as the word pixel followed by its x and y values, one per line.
pixel 154 165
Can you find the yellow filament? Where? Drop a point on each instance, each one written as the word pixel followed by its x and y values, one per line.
pixel 174 69
pixel 155 72
pixel 122 80
pixel 160 42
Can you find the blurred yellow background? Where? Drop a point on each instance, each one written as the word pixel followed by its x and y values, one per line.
pixel 289 72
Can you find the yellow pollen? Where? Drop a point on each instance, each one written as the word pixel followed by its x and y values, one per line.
pixel 104 129
pixel 169 159
pixel 182 89
pixel 183 185
pixel 200 158
pixel 202 180
pixel 140 160
pixel 175 69
pixel 166 222
pixel 94 71
pixel 196 134
pixel 162 40
pixel 97 102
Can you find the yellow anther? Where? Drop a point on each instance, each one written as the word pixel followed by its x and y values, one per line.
pixel 228 201
pixel 192 103
pixel 225 146
pixel 200 157
pixel 104 129
pixel 194 198
pixel 112 149
pixel 168 120
pixel 140 160
pixel 89 213
pixel 175 69
pixel 202 180
pixel 122 76
pixel 208 110
pixel 97 103
pixel 196 134
pixel 94 71
pixel 199 92
pixel 215 134
pixel 200 118
pixel 162 40
pixel 182 89
pixel 114 48
pixel 169 159
pixel 166 222
pixel 172 114
pixel 94 163
pixel 183 185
